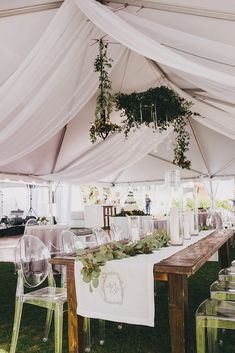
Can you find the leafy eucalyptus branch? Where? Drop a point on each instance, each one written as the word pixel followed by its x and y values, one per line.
pixel 93 260
pixel 102 125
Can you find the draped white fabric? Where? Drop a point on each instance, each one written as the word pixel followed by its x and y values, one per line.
pixel 115 154
pixel 137 40
pixel 56 82
pixel 51 86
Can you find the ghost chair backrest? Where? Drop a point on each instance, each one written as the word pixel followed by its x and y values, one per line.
pixel 31 222
pixel 116 233
pixel 101 236
pixel 32 261
pixel 70 242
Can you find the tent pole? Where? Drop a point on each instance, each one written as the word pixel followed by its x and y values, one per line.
pixel 200 148
pixel 50 202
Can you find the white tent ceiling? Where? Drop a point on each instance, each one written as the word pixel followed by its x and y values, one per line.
pixel 212 149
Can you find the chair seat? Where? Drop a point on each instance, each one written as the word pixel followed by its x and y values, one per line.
pixel 49 294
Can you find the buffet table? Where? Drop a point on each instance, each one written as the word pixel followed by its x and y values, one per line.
pixel 175 270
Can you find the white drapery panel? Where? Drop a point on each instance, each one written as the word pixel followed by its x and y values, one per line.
pixel 51 86
pixel 114 154
pixel 63 197
pixel 209 53
pixel 112 24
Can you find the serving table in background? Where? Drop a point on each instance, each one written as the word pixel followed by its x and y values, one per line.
pixel 175 270
pixel 48 234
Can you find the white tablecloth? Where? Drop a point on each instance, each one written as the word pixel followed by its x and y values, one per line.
pixel 48 234
pixel 126 292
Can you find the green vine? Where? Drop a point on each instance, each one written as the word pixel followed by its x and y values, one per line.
pixel 102 125
pixel 92 261
pixel 157 107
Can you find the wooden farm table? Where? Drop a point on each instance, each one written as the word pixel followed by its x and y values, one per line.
pixel 176 270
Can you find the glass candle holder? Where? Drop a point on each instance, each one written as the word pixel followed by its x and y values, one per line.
pixel 186 224
pixel 175 227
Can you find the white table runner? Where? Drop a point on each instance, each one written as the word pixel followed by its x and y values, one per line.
pixel 126 289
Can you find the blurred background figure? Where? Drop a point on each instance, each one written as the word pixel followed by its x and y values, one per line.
pixel 147 204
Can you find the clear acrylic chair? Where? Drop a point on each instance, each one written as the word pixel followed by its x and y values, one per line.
pixel 227 274
pixel 221 290
pixel 116 233
pixel 33 268
pixel 70 242
pixel 134 227
pixel 212 315
pixel 55 248
pixel 101 236
pixel 31 222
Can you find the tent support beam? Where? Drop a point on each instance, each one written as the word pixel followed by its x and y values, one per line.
pixel 59 148
pixel 200 148
pixel 216 100
pixel 186 10
pixel 50 5
pixel 30 9
pixel 224 166
pixel 167 161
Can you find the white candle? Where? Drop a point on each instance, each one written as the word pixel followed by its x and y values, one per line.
pixel 194 230
pixel 192 221
pixel 174 226
pixel 187 225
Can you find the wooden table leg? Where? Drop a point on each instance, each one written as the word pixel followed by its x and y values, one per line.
pixel 224 255
pixel 75 322
pixel 178 312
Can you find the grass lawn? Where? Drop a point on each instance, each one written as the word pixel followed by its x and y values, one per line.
pixel 131 339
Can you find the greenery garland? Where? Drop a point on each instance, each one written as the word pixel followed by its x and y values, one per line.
pixel 124 213
pixel 102 125
pixel 157 107
pixel 93 260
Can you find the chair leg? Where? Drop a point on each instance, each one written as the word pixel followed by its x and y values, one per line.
pixel 119 326
pixel 87 334
pixel 16 325
pixel 102 332
pixel 48 324
pixel 212 336
pixel 58 328
pixel 200 335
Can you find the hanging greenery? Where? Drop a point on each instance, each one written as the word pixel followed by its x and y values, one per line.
pixel 102 125
pixel 93 260
pixel 158 108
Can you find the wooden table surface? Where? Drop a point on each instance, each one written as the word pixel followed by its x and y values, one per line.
pixel 176 270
